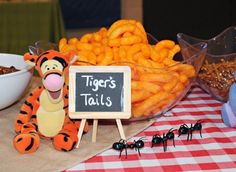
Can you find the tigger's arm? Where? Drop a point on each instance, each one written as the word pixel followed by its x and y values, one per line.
pixel 27 109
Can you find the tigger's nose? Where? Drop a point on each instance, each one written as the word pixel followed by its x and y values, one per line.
pixel 53 82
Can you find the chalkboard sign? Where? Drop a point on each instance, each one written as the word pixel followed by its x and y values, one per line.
pixel 99 92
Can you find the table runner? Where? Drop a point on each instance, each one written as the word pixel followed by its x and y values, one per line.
pixel 216 151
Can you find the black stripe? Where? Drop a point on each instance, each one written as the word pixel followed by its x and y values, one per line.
pixel 30 145
pixel 64 150
pixel 29 104
pixel 73 145
pixel 33 116
pixel 65 107
pixel 41 56
pixel 23 112
pixel 26 126
pixel 64 134
pixel 36 126
pixel 18 140
pixel 66 96
pixel 19 122
pixel 31 94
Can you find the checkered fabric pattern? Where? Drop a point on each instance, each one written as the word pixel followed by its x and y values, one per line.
pixel 215 151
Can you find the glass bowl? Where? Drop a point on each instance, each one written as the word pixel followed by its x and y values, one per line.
pixel 216 73
pixel 154 91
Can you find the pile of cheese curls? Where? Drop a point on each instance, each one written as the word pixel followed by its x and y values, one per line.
pixel 157 79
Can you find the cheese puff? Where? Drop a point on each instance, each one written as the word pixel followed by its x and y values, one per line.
pixel 107 57
pixel 144 62
pixel 98 50
pixel 140 26
pixel 154 54
pixel 141 34
pixel 122 29
pixel 157 77
pixel 115 52
pixel 105 41
pixel 73 41
pixel 84 46
pixel 127 34
pixel 114 42
pixel 65 49
pixel 115 25
pixel 188 70
pixel 129 40
pixel 170 85
pixel 169 62
pixel 164 44
pixel 62 42
pixel 173 51
pixel 164 53
pixel 146 50
pixel 142 85
pixel 83 56
pixel 183 78
pixel 97 37
pixel 99 58
pixel 96 44
pixel 122 54
pixel 134 49
pixel 86 38
pixel 156 64
pixel 178 87
pixel 92 58
pixel 137 56
pixel 103 32
pixel 185 69
pixel 139 95
pixel 148 103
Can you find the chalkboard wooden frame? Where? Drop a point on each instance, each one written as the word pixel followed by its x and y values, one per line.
pixel 95 115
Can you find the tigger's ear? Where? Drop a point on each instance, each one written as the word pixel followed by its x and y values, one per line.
pixel 72 57
pixel 30 59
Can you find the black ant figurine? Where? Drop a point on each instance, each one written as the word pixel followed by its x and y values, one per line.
pixel 184 129
pixel 122 144
pixel 157 139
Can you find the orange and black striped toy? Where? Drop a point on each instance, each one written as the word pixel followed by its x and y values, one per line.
pixel 45 112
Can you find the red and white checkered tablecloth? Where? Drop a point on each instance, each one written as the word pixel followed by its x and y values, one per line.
pixel 216 151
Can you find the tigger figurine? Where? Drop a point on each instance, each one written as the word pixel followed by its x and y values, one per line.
pixel 45 112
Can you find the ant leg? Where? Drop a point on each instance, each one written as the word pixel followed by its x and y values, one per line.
pixel 139 152
pixel 120 152
pixel 191 134
pixel 174 142
pixel 126 153
pixel 200 132
pixel 165 145
pixel 188 136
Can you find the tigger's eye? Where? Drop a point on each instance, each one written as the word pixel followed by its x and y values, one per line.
pixel 48 68
pixel 53 68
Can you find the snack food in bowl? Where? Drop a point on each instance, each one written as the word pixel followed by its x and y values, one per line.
pixel 14 79
pixel 158 80
pixel 217 72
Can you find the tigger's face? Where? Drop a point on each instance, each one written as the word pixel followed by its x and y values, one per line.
pixel 51 67
pixel 53 79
